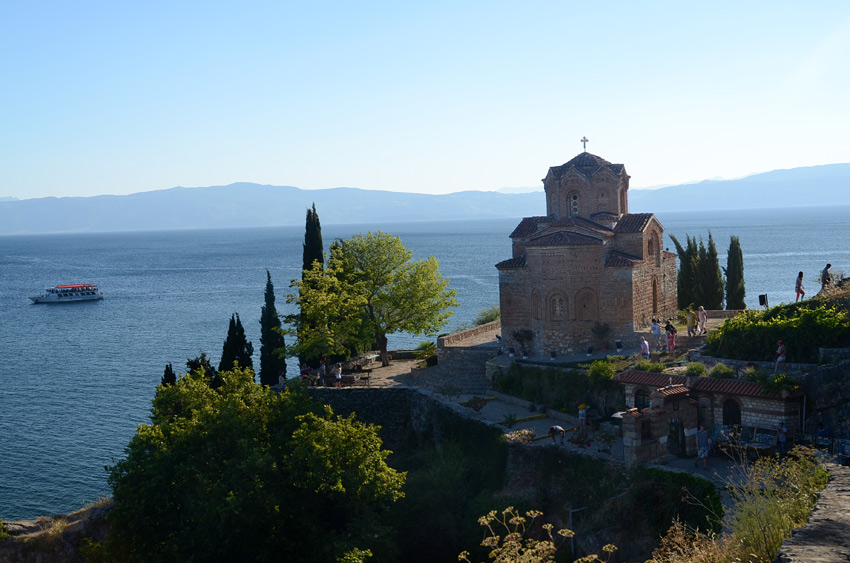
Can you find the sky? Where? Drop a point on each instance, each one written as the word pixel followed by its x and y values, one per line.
pixel 429 97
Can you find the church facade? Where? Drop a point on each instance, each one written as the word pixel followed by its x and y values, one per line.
pixel 588 273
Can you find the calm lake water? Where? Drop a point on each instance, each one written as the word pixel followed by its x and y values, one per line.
pixel 77 379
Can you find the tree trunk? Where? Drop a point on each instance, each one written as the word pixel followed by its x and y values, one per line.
pixel 382 347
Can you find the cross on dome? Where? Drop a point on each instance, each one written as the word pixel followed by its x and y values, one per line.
pixel 584 141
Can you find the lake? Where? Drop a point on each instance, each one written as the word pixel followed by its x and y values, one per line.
pixel 77 379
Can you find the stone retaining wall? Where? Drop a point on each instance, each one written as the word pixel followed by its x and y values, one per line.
pixel 457 338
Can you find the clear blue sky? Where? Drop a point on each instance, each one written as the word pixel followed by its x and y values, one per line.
pixel 432 97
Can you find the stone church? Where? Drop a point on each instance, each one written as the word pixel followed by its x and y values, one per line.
pixel 589 273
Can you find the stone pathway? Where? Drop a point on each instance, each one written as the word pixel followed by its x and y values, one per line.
pixel 826 538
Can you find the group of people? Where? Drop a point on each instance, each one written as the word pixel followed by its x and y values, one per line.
pixel 825 281
pixel 335 372
pixel 556 430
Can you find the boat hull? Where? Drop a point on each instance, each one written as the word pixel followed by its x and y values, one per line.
pixel 71 299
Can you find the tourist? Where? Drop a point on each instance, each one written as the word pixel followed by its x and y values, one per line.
pixel 781 438
pixel 644 348
pixel 281 381
pixel 554 430
pixel 703 447
pixel 702 316
pixel 323 373
pixel 655 329
pixel 582 420
pixel 338 375
pixel 691 320
pixel 825 277
pixel 780 358
pixel 801 294
pixel 671 337
pixel 821 432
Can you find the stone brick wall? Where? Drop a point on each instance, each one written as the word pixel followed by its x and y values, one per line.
pixel 458 338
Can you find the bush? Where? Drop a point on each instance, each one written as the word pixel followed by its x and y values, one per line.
pixel 4 531
pixel 721 371
pixel 599 373
pixel 487 316
pixel 651 367
pixel 804 327
pixel 695 369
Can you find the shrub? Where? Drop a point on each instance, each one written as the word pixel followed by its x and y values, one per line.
pixel 804 326
pixel 4 531
pixel 721 371
pixel 695 369
pixel 487 316
pixel 651 367
pixel 599 373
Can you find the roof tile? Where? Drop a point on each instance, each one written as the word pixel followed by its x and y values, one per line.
pixel 632 223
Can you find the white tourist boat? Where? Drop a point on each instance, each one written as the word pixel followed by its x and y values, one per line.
pixel 69 293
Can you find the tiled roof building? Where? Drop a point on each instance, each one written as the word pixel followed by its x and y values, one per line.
pixel 588 261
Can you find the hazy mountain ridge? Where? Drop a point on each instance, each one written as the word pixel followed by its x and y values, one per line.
pixel 255 205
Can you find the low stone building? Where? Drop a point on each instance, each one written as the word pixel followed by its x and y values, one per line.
pixel 665 412
pixel 587 273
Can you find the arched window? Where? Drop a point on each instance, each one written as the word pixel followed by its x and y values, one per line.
pixel 557 306
pixel 574 205
pixel 653 248
pixel 641 399
pixel 535 306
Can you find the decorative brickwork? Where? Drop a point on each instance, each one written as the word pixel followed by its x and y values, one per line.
pixel 587 263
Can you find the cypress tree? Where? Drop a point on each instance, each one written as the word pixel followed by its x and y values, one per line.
pixel 168 377
pixel 713 283
pixel 313 247
pixel 236 348
pixel 272 344
pixel 735 291
pixel 699 296
pixel 687 271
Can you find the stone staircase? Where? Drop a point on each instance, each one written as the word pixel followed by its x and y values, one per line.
pixel 463 368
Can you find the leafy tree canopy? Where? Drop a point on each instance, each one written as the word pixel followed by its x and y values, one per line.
pixel 370 280
pixel 237 349
pixel 245 473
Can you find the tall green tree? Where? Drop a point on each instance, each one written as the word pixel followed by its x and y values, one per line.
pixel 688 271
pixel 244 473
pixel 734 271
pixel 374 280
pixel 168 377
pixel 272 344
pixel 313 248
pixel 237 349
pixel 713 286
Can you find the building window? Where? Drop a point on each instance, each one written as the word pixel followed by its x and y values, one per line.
pixel 557 307
pixel 574 205
pixel 535 306
pixel 641 399
pixel 645 429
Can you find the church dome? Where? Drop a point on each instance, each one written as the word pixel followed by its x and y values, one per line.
pixel 585 164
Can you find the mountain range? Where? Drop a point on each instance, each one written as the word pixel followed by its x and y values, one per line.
pixel 255 205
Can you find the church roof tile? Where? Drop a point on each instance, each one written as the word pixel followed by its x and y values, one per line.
pixel 617 258
pixel 632 223
pixel 511 263
pixel 585 164
pixel 701 384
pixel 528 226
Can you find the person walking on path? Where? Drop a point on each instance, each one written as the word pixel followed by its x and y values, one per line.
pixel 671 337
pixel 338 375
pixel 781 352
pixel 644 348
pixel 703 447
pixel 691 320
pixel 554 430
pixel 655 329
pixel 825 277
pixel 801 294
pixel 702 316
